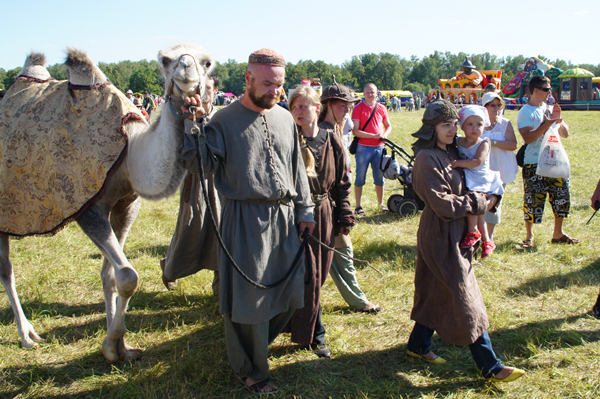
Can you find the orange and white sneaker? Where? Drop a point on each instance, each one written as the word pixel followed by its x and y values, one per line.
pixel 470 239
pixel 487 248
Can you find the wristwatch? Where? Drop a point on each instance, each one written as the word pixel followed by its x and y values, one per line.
pixel 495 142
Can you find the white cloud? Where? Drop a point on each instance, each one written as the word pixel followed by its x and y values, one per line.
pixel 581 13
pixel 453 22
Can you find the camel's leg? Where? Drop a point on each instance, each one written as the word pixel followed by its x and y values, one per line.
pixel 28 336
pixel 122 216
pixel 118 276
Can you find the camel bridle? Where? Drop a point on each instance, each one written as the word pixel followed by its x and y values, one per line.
pixel 173 85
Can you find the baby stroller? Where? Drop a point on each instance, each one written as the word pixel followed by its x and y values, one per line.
pixel 406 205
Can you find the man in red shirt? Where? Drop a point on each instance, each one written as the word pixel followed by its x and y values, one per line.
pixel 370 144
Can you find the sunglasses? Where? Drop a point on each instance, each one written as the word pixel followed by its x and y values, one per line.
pixel 546 89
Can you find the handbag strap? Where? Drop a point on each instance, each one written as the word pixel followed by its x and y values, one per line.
pixel 370 117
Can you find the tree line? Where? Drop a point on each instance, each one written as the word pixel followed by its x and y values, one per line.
pixel 387 71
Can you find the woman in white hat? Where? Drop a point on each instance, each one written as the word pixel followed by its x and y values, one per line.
pixel 504 143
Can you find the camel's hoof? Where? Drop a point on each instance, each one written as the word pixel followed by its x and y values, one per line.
pixel 114 351
pixel 109 350
pixel 30 338
pixel 28 344
pixel 36 337
pixel 127 352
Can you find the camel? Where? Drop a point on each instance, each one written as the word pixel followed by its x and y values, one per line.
pixel 150 170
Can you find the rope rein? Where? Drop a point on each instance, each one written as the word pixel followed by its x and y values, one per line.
pixel 195 132
pixel 321 243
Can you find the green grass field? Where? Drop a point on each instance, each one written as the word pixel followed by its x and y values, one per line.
pixel 538 304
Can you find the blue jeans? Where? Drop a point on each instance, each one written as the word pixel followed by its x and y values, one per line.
pixel 365 156
pixel 482 351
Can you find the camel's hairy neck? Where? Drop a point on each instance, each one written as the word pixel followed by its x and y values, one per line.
pixel 153 156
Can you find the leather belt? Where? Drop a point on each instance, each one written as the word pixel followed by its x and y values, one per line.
pixel 319 198
pixel 280 201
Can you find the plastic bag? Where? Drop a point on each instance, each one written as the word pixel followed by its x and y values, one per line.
pixel 553 161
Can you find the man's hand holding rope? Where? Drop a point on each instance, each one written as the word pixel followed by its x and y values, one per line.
pixel 195 101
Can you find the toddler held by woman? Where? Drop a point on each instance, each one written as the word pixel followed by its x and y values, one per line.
pixel 478 175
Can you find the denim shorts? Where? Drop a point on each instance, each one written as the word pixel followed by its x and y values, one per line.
pixel 365 156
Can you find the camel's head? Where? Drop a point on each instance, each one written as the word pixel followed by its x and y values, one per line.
pixel 186 67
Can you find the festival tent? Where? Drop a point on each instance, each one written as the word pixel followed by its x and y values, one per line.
pixel 576 85
pixel 576 73
pixel 389 93
pixel 397 93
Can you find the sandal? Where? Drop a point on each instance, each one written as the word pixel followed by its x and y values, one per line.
pixel 565 239
pixel 359 211
pixel 437 360
pixel 257 387
pixel 373 310
pixel 527 244
pixel 384 209
pixel 514 374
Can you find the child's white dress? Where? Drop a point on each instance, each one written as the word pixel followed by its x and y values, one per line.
pixel 481 178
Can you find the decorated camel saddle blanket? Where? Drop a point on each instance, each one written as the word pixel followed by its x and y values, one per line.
pixel 59 145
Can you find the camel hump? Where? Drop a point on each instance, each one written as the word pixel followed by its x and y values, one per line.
pixel 82 70
pixel 35 67
pixel 36 59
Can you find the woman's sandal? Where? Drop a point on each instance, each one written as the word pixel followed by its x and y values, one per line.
pixel 359 211
pixel 257 387
pixel 565 239
pixel 527 244
pixel 437 360
pixel 515 373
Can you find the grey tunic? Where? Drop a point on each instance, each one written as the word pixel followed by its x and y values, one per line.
pixel 256 157
pixel 194 243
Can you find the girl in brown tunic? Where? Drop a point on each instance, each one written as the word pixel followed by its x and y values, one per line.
pixel 323 155
pixel 447 297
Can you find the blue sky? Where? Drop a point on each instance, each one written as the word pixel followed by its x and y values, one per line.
pixel 332 31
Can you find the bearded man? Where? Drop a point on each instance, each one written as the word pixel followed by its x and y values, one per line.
pixel 252 149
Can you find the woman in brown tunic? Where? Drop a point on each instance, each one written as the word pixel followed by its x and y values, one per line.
pixel 323 155
pixel 447 297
